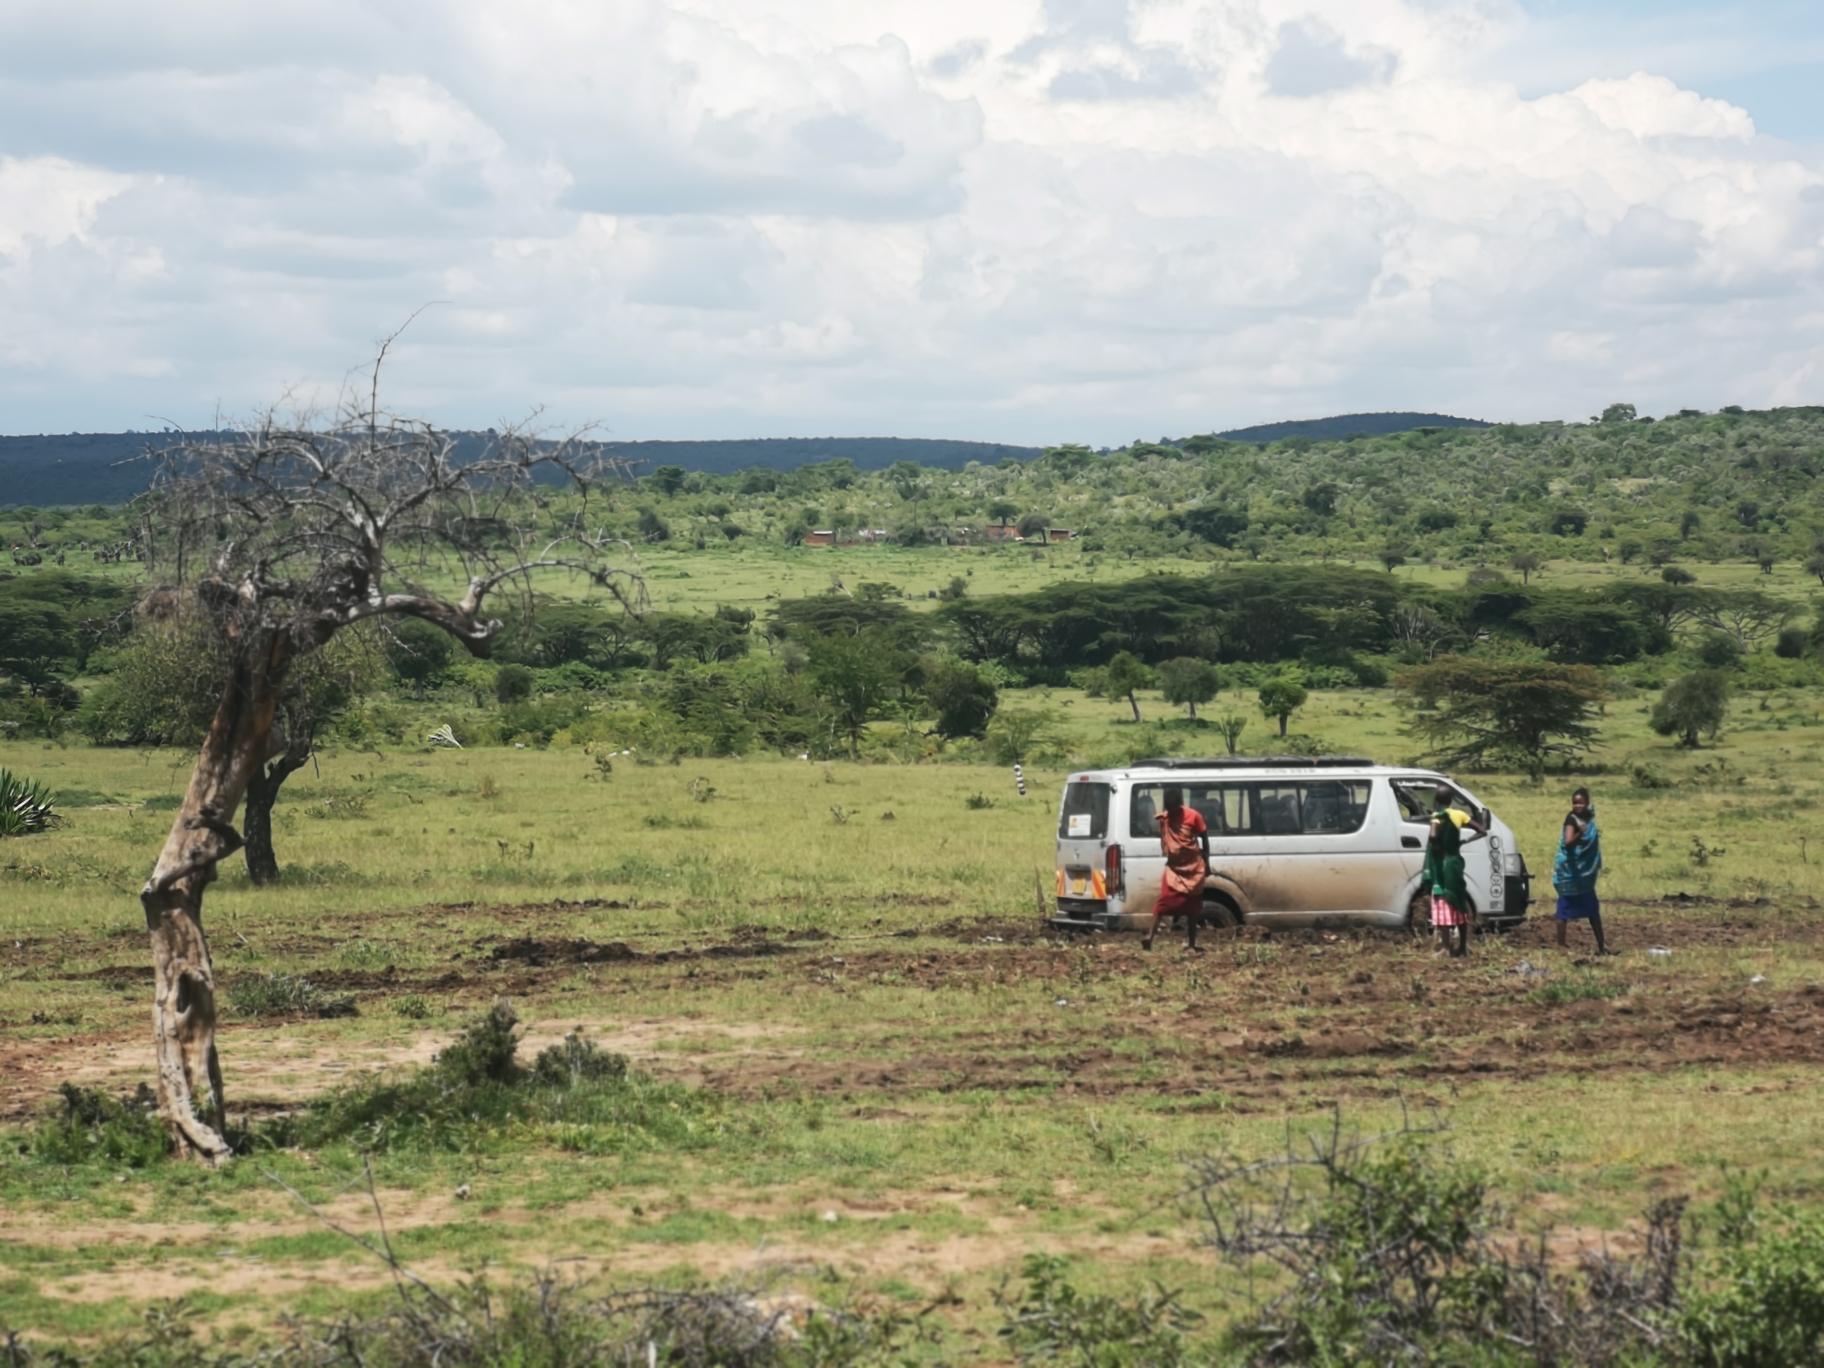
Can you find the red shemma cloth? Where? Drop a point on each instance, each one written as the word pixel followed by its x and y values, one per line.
pixel 1181 890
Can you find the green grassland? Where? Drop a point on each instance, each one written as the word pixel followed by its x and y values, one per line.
pixel 872 1068
pixel 893 1078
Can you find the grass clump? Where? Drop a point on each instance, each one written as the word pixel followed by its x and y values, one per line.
pixel 286 995
pixel 93 1128
pixel 573 1095
pixel 1583 988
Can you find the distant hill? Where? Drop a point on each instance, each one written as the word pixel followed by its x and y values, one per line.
pixel 81 468
pixel 99 467
pixel 1348 425
pixel 788 453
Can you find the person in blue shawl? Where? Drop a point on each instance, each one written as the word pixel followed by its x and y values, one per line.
pixel 1574 873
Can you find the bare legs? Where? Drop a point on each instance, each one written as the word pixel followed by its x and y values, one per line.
pixel 1602 945
pixel 1191 923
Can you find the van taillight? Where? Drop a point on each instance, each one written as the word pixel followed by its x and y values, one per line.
pixel 1114 871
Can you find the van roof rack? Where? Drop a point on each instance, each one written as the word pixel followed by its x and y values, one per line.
pixel 1256 762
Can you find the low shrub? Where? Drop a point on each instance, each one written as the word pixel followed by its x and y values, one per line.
pixel 95 1128
pixel 286 995
pixel 1389 1252
pixel 572 1095
pixel 1760 1302
pixel 1052 1321
pixel 546 1323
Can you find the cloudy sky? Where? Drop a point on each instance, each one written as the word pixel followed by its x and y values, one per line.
pixel 1022 220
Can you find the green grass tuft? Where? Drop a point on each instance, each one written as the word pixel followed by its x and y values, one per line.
pixel 1583 988
pixel 276 995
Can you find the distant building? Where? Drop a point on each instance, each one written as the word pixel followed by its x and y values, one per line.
pixel 1000 532
pixel 822 537
pixel 1058 534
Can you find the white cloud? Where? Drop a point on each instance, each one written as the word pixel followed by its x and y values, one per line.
pixel 1059 219
pixel 47 201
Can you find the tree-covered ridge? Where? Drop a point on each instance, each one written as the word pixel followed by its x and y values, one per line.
pixel 1725 486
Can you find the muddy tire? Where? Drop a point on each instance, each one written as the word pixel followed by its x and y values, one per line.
pixel 1418 916
pixel 1221 913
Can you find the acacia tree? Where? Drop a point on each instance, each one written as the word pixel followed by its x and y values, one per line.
pixel 1123 676
pixel 1484 712
pixel 1280 697
pixel 279 536
pixel 1747 615
pixel 1189 681
pixel 1693 703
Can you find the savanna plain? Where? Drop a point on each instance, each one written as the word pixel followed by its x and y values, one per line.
pixel 868 1070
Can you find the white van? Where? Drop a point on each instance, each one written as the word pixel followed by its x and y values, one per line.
pixel 1323 841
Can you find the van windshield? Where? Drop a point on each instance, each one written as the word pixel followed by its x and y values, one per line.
pixel 1417 800
pixel 1318 807
pixel 1085 813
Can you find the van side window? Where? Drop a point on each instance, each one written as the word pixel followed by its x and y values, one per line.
pixel 1328 807
pixel 1279 810
pixel 1085 813
pixel 1336 807
pixel 1237 810
pixel 1148 801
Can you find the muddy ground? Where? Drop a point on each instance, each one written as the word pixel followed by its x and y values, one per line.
pixel 1254 1016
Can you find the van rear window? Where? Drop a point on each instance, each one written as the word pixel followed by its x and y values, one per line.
pixel 1322 807
pixel 1085 813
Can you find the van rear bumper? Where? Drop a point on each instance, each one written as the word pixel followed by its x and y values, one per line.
pixel 1085 914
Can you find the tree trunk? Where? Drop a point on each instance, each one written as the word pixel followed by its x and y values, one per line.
pixel 1133 703
pixel 183 1011
pixel 262 793
pixel 1193 708
pixel 1283 719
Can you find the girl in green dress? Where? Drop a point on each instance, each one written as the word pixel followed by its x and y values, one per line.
pixel 1442 877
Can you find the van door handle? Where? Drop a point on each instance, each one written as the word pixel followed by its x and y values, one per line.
pixel 1410 842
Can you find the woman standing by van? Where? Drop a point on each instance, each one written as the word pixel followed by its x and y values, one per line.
pixel 1574 873
pixel 1442 877
pixel 1185 837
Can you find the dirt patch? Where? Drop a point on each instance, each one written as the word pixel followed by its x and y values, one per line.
pixel 538 953
pixel 272 1068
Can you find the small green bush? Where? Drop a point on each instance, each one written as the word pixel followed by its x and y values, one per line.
pixel 96 1128
pixel 1052 1321
pixel 581 1099
pixel 1760 1299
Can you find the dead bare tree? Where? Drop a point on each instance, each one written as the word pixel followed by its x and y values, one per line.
pixel 281 535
